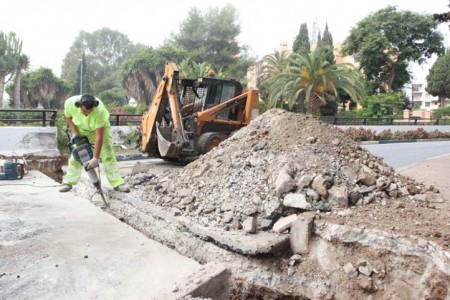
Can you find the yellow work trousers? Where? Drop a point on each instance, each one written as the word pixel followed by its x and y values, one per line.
pixel 108 159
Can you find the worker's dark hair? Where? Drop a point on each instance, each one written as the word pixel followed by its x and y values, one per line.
pixel 87 100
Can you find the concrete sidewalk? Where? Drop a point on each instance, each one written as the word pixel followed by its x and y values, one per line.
pixel 59 246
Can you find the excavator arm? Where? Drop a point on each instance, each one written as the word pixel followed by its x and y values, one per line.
pixel 161 137
pixel 247 107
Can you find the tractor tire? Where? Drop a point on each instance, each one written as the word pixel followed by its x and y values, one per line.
pixel 208 141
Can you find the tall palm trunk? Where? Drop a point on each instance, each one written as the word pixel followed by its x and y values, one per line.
pixel 17 101
pixel 313 105
pixel 2 89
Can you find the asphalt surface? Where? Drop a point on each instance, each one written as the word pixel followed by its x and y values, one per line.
pixel 60 246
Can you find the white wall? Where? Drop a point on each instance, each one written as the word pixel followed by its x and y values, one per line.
pixel 25 141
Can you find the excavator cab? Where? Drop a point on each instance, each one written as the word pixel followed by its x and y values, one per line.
pixel 189 117
pixel 204 93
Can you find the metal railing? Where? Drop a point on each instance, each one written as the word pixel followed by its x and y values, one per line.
pixel 125 119
pixel 46 117
pixel 384 121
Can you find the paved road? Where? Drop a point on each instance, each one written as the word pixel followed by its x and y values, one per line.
pixel 59 246
pixel 402 156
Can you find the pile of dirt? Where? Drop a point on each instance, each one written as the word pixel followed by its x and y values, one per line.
pixel 371 226
pixel 282 163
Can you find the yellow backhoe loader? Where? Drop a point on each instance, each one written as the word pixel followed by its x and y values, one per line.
pixel 189 117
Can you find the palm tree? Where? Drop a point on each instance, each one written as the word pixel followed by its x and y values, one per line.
pixel 140 77
pixel 192 69
pixel 42 87
pixel 23 64
pixel 274 64
pixel 10 51
pixel 310 81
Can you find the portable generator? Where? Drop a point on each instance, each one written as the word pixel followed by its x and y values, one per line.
pixel 11 170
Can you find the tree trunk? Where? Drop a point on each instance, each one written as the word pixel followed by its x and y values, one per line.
pixel 2 89
pixel 17 90
pixel 313 105
pixel 442 101
pixel 390 81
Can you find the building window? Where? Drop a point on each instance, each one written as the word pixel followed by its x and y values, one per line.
pixel 427 104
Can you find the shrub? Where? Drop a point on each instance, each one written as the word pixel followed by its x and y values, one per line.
pixel 361 134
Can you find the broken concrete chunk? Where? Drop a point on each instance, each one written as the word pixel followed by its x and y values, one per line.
pixel 350 270
pixel 318 185
pixel 301 232
pixel 338 196
pixel 266 224
pixel 249 225
pixel 284 223
pixel 227 217
pixel 296 200
pixel 311 139
pixel 420 197
pixel 304 181
pixel 284 182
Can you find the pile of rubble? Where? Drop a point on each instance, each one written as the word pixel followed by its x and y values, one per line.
pixel 281 164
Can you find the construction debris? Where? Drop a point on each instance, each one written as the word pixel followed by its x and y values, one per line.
pixel 356 227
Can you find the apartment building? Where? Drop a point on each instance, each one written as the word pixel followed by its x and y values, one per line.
pixel 420 98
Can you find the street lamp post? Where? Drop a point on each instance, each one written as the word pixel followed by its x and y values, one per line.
pixel 81 76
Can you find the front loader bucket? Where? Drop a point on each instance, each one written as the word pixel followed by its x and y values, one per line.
pixel 170 142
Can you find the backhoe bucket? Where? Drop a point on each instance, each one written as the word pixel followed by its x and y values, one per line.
pixel 170 142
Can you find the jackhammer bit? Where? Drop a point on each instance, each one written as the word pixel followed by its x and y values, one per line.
pixel 82 151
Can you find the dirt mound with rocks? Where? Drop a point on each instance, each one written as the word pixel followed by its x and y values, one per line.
pixel 281 163
pixel 360 228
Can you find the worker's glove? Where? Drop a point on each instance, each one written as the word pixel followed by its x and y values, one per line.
pixel 91 164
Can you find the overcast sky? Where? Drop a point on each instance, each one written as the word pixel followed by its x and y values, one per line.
pixel 49 27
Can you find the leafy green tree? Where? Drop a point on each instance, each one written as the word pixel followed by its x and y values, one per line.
pixel 326 42
pixel 103 51
pixel 140 74
pixel 192 35
pixel 438 78
pixel 302 39
pixel 385 42
pixel 113 97
pixel 193 69
pixel 327 38
pixel 44 88
pixel 212 38
pixel 10 52
pixel 382 105
pixel 310 81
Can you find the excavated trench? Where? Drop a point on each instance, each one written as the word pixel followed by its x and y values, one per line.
pixel 342 262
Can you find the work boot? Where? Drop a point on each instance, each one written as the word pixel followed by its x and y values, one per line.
pixel 65 188
pixel 122 188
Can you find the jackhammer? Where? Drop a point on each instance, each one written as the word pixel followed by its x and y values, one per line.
pixel 81 149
